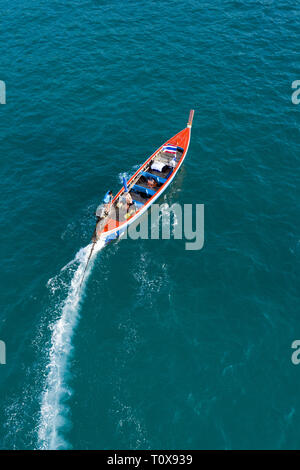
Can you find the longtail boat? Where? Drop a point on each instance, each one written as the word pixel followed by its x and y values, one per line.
pixel 143 188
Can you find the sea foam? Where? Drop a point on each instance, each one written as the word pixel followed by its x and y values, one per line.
pixel 54 409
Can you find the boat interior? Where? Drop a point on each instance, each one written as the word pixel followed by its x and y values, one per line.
pixel 146 184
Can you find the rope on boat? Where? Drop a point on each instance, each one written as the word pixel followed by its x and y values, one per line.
pixel 87 263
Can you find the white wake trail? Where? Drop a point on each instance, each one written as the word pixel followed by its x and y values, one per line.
pixel 56 392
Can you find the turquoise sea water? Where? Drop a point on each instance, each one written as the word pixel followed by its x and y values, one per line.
pixel 165 348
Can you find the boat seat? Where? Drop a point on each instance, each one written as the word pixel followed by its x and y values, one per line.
pixel 161 174
pixel 159 179
pixel 138 204
pixel 141 189
pixel 144 182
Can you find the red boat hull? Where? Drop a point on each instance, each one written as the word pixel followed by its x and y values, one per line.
pixel 113 228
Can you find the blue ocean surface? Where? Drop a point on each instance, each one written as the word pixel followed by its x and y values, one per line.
pixel 164 348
